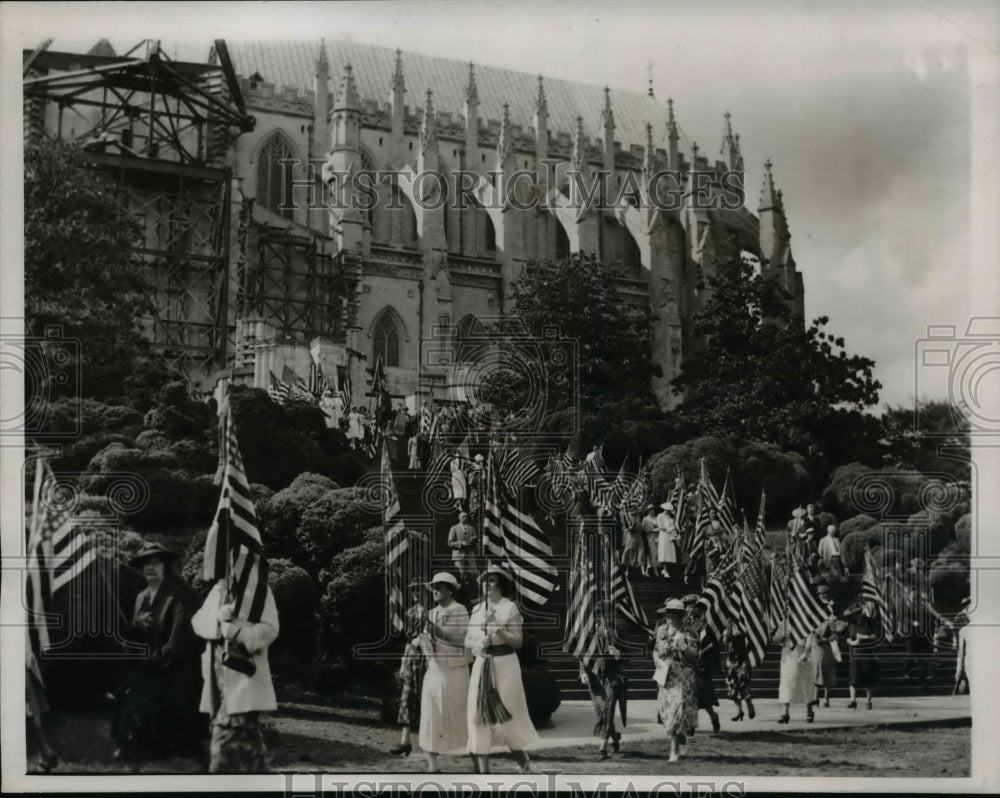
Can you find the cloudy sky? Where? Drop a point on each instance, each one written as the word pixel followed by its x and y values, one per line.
pixel 864 112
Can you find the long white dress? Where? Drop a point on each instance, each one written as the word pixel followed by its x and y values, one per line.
pixel 666 550
pixel 518 733
pixel 443 728
pixel 795 685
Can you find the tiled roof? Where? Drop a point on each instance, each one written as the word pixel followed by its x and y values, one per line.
pixel 292 64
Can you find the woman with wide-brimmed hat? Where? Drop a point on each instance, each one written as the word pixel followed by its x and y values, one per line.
pixel 864 632
pixel 497 709
pixel 445 691
pixel 605 679
pixel 634 552
pixel 669 535
pixel 157 710
pixel 675 654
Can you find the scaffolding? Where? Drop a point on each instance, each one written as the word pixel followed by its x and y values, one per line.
pixel 162 130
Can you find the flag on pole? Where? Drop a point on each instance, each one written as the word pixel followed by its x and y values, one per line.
pixel 633 502
pixel 678 499
pixel 515 470
pixel 383 401
pixel 297 386
pixel 317 380
pixel 513 536
pixel 233 548
pixel 753 608
pixel 623 597
pixel 726 505
pixel 344 384
pixel 777 596
pixel 805 611
pixel 397 541
pixel 38 598
pixel 581 611
pixel 278 391
pixel 721 599
pixel 871 591
pixel 63 546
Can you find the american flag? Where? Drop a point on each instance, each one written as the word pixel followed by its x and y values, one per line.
pixel 345 385
pixel 278 391
pixel 233 548
pixel 581 612
pixel 515 470
pixel 598 487
pixel 633 501
pixel 871 591
pixel 515 538
pixel 623 597
pixel 317 380
pixel 805 611
pixel 383 401
pixel 397 542
pixel 778 597
pixel 297 386
pixel 757 541
pixel 753 608
pixel 677 498
pixel 726 505
pixel 706 499
pixel 721 599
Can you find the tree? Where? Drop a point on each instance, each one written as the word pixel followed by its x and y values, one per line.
pixel 79 270
pixel 931 437
pixel 572 300
pixel 761 374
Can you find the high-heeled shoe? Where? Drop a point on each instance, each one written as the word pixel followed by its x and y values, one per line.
pixel 602 754
pixel 810 715
pixel 753 713
pixel 783 719
pixel 402 748
pixel 616 739
pixel 739 716
pixel 852 705
pixel 826 703
pixel 869 704
pixel 715 724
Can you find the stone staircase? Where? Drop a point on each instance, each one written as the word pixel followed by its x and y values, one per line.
pixel 544 631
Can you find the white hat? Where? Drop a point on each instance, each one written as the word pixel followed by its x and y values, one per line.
pixel 446 578
pixel 667 506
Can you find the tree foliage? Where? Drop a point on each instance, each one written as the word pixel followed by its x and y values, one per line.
pixel 761 374
pixel 574 300
pixel 79 270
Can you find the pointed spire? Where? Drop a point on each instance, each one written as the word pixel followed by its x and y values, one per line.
pixel 649 73
pixel 322 63
pixel 398 81
pixel 578 156
pixel 731 145
pixel 541 106
pixel 471 91
pixel 607 115
pixel 768 197
pixel 347 93
pixel 647 161
pixel 428 128
pixel 694 153
pixel 505 145
pixel 673 156
pixel 671 122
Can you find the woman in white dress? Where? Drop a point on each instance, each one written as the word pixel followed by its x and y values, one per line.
pixel 355 433
pixel 443 728
pixel 493 639
pixel 796 682
pixel 459 489
pixel 666 550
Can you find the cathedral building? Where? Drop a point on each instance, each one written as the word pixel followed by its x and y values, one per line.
pixel 316 283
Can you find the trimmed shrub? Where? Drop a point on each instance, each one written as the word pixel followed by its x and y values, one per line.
pixel 855 524
pixel 542 694
pixel 353 602
pixel 852 546
pixel 836 496
pixel 297 598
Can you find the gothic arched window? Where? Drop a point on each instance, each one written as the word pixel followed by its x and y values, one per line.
pixel 386 340
pixel 270 174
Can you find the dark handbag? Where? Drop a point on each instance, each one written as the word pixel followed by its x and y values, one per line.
pixel 235 656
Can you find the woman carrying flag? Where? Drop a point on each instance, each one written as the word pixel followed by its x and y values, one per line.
pixel 497 709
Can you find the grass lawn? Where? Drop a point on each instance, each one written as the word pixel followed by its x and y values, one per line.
pixel 344 734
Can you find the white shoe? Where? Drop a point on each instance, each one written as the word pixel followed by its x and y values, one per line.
pixel 673 758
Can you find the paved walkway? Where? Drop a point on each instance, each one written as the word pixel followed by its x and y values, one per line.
pixel 573 723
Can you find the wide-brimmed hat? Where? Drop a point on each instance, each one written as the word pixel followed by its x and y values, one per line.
pixel 498 569
pixel 672 605
pixel 443 577
pixel 153 550
pixel 668 506
pixel 690 598
pixel 798 512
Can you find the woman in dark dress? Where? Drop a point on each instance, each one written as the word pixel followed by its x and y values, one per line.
pixel 605 679
pixel 738 671
pixel 709 662
pixel 157 712
pixel 863 635
pixel 411 670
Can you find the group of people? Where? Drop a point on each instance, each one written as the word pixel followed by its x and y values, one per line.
pixel 653 545
pixel 458 710
pixel 163 694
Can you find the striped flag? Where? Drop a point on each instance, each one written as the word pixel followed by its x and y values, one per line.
pixel 633 502
pixel 677 498
pixel 63 548
pixel 721 599
pixel 778 597
pixel 581 611
pixel 805 611
pixel 297 386
pixel 317 380
pixel 706 498
pixel 513 536
pixel 38 598
pixel 278 391
pixel 233 548
pixel 623 597
pixel 753 608
pixel 726 505
pixel 515 470
pixel 397 541
pixel 757 541
pixel 344 384
pixel 871 591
